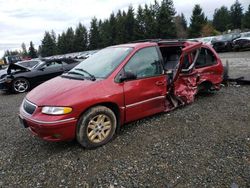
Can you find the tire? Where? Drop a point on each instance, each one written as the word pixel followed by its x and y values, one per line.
pixel 205 87
pixel 229 48
pixel 20 85
pixel 96 127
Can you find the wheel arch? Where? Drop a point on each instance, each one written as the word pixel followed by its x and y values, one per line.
pixel 24 77
pixel 205 85
pixel 111 105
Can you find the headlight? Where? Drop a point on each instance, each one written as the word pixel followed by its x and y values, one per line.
pixel 56 110
pixel 8 80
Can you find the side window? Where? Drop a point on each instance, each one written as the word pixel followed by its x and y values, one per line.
pixel 145 63
pixel 32 64
pixel 210 58
pixel 201 60
pixel 64 63
pixel 52 64
pixel 205 58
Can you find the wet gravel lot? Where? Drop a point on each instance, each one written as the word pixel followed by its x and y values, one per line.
pixel 205 144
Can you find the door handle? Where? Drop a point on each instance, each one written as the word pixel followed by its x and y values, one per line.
pixel 159 83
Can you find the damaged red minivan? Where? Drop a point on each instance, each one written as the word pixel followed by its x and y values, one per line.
pixel 117 85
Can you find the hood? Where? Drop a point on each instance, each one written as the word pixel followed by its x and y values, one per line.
pixel 14 66
pixel 62 91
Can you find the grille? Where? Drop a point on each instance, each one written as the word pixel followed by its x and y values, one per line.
pixel 29 107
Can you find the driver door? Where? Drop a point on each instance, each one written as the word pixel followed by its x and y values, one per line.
pixel 145 95
pixel 186 76
pixel 48 71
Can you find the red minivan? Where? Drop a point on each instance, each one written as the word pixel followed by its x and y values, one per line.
pixel 117 85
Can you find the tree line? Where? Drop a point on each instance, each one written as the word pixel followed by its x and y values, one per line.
pixel 30 53
pixel 157 20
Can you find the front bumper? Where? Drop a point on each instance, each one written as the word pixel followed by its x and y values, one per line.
pixel 54 131
pixel 4 86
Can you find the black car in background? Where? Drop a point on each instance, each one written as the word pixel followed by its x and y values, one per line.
pixel 224 43
pixel 20 77
pixel 242 43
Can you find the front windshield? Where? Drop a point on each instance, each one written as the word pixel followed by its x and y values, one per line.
pixel 103 63
pixel 227 37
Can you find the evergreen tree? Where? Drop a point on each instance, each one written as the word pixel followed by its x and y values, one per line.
pixel 53 36
pixel 246 19
pixel 81 38
pixel 94 35
pixel 181 26
pixel 32 51
pixel 48 46
pixel 236 14
pixel 140 24
pixel 113 30
pixel 9 53
pixel 198 20
pixel 221 19
pixel 129 25
pixel 155 8
pixel 183 21
pixel 61 43
pixel 120 27
pixel 165 19
pixel 150 22
pixel 105 33
pixel 24 50
pixel 69 40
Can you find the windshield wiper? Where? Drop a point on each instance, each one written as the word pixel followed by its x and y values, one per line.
pixel 92 77
pixel 73 72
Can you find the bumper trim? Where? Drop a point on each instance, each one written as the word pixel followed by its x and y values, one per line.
pixel 48 122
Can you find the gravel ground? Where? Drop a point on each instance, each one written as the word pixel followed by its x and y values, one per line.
pixel 205 144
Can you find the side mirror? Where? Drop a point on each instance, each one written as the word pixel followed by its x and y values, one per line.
pixel 126 76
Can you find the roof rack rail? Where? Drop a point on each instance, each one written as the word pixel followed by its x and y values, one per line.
pixel 146 40
pixel 192 40
pixel 164 40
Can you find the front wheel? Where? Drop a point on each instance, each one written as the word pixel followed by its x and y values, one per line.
pixel 96 127
pixel 20 85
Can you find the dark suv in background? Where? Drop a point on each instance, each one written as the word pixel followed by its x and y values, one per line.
pixel 225 42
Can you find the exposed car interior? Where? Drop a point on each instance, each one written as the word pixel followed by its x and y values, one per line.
pixel 170 56
pixel 205 58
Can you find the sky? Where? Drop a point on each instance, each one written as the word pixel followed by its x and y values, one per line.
pixel 26 20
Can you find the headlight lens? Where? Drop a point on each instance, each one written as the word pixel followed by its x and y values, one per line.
pixel 8 80
pixel 56 110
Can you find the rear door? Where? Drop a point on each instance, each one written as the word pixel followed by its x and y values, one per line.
pixel 146 94
pixel 186 77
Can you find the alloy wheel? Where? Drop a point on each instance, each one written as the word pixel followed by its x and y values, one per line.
pixel 20 85
pixel 99 128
